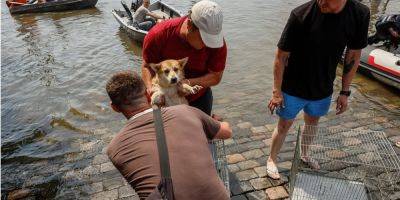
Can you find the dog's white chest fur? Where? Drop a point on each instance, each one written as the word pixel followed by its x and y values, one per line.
pixel 171 96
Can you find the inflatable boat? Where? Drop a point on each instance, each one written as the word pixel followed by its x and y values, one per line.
pixel 381 64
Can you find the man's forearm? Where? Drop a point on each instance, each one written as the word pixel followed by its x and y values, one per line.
pixel 146 76
pixel 279 67
pixel 352 60
pixel 208 80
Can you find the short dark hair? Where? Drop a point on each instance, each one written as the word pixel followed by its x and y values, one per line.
pixel 126 88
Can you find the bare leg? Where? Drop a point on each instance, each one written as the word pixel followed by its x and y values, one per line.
pixel 308 135
pixel 278 137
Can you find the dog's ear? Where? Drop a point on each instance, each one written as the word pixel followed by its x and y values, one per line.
pixel 155 67
pixel 183 61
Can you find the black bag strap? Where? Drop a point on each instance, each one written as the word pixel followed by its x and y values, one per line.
pixel 166 187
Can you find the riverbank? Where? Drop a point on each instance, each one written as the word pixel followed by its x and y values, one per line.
pixel 247 152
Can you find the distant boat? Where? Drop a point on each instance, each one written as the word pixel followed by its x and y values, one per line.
pixel 125 19
pixel 381 64
pixel 16 7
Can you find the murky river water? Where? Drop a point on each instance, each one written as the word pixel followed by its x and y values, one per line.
pixel 54 110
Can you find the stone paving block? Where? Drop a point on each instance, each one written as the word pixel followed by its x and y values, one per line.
pixel 258 137
pixel 335 154
pixel 380 119
pixel 351 125
pixel 268 141
pixel 266 150
pixel 277 182
pixel 233 168
pixel 245 186
pixel 248 164
pixel 246 175
pixel 270 127
pixel 90 170
pixel 229 141
pixel 126 191
pixel 105 167
pixel 259 129
pixel 106 195
pixel 276 193
pixel 260 183
pixel 252 145
pixel 135 197
pixel 235 158
pixel 100 159
pixel 257 195
pixel 284 166
pixel 244 125
pixel 285 156
pixel 255 153
pixel 261 171
pixel 243 140
pixel 351 141
pixel 112 183
pixel 239 197
pixel 97 187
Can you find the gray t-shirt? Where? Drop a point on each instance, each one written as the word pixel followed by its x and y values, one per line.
pixel 140 14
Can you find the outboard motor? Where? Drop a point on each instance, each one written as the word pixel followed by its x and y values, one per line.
pixel 383 27
pixel 128 12
pixel 136 4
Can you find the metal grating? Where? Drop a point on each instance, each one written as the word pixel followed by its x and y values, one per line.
pixel 219 155
pixel 353 164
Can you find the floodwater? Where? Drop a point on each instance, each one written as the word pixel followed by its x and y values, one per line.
pixel 54 110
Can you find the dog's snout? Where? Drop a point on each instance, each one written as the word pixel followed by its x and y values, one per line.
pixel 174 80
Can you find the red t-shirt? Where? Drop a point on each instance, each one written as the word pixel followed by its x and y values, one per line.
pixel 164 42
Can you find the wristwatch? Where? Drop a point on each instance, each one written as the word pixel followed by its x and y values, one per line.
pixel 345 93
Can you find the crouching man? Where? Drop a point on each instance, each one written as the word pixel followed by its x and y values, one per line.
pixel 133 150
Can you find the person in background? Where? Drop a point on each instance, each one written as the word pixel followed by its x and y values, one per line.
pixel 145 19
pixel 133 150
pixel 387 29
pixel 197 36
pixel 309 51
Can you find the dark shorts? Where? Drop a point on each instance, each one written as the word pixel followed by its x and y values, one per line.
pixel 204 103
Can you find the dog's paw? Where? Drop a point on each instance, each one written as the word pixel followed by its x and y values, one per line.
pixel 157 99
pixel 195 89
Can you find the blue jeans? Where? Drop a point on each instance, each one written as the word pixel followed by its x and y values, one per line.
pixel 147 24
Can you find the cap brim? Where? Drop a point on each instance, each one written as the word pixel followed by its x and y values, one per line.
pixel 212 41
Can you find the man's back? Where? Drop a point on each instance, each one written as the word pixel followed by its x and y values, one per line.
pixel 134 152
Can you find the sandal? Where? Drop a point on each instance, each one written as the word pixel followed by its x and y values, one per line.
pixel 272 171
pixel 311 162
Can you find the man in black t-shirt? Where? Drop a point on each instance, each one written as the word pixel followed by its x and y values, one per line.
pixel 309 51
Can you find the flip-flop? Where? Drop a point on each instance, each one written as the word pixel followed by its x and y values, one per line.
pixel 311 162
pixel 272 171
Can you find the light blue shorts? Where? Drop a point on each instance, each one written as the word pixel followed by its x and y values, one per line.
pixel 293 105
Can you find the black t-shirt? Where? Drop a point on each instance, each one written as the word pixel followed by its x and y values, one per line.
pixel 316 42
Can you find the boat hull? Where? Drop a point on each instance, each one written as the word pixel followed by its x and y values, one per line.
pixel 381 65
pixel 60 5
pixel 135 33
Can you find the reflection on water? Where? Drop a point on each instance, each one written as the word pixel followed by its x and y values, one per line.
pixel 55 115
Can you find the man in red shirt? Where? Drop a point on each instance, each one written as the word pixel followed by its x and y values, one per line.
pixel 197 36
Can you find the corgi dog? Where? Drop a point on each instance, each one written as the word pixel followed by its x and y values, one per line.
pixel 166 83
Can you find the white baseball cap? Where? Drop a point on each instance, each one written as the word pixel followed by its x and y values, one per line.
pixel 207 16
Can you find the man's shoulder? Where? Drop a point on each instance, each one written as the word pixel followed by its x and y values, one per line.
pixel 301 12
pixel 166 25
pixel 179 108
pixel 358 8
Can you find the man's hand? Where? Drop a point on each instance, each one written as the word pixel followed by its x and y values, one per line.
pixel 276 101
pixel 341 104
